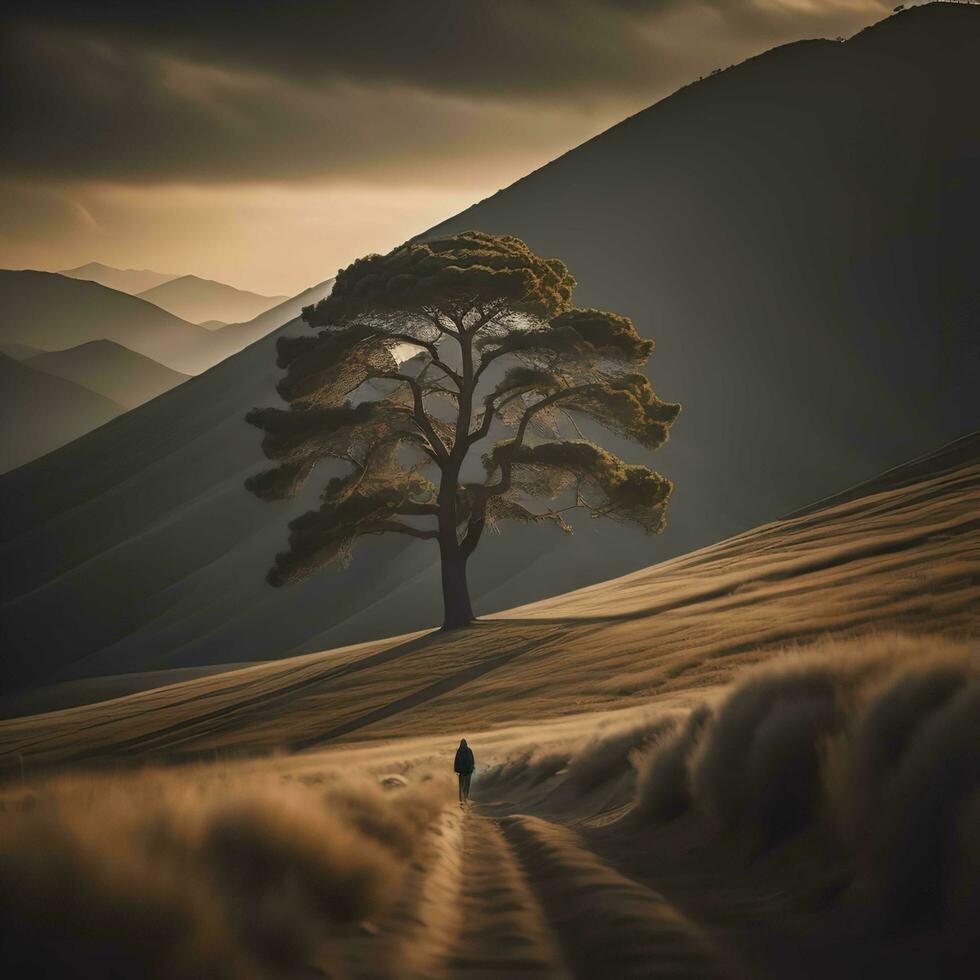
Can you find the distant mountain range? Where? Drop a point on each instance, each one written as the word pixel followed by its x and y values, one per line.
pixel 130 281
pixel 198 300
pixel 42 412
pixel 240 335
pixel 191 298
pixel 118 346
pixel 53 312
pixel 111 370
pixel 797 233
pixel 49 311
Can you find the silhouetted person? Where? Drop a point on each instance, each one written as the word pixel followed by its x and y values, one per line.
pixel 463 767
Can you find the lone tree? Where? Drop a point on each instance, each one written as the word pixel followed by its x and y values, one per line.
pixel 425 353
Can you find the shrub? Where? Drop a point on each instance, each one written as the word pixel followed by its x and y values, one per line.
pixel 758 768
pixel 663 784
pixel 609 755
pixel 903 781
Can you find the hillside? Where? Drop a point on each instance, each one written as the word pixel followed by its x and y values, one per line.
pixel 42 412
pixel 752 763
pixel 197 300
pixel 795 233
pixel 20 352
pixel 239 335
pixel 111 370
pixel 905 558
pixel 130 281
pixel 741 222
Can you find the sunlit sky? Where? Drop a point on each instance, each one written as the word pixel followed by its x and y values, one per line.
pixel 267 144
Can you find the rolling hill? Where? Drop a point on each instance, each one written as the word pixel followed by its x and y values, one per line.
pixel 721 767
pixel 42 412
pixel 130 281
pixel 797 234
pixel 110 370
pixel 902 555
pixel 197 300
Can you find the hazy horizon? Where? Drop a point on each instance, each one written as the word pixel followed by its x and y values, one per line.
pixel 233 151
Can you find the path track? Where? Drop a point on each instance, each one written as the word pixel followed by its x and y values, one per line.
pixel 522 897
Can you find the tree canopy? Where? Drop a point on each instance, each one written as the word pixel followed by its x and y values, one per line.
pixel 421 358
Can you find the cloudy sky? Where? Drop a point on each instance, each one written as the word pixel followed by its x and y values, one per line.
pixel 266 144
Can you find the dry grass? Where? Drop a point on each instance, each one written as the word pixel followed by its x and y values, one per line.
pixel 609 755
pixel 757 769
pixel 529 767
pixel 663 784
pixel 876 741
pixel 163 875
pixel 904 558
pixel 904 778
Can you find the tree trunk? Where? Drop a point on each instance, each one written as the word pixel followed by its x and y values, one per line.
pixel 455 592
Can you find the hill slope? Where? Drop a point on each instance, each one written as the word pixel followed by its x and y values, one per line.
pixel 197 300
pixel 905 557
pixel 815 317
pixel 110 370
pixel 240 335
pixel 130 281
pixel 728 767
pixel 796 233
pixel 20 352
pixel 42 412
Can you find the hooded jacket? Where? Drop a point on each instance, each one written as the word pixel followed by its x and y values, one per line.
pixel 464 759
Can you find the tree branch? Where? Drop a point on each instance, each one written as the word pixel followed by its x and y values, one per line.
pixel 411 508
pixel 433 317
pixel 397 527
pixel 486 360
pixel 421 419
pixel 486 316
pixel 488 416
pixel 506 467
pixel 474 527
pixel 433 350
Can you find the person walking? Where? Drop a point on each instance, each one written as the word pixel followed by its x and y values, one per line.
pixel 463 767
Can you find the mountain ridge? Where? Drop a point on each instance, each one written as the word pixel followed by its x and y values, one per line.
pixel 198 300
pixel 110 369
pixel 131 281
pixel 54 312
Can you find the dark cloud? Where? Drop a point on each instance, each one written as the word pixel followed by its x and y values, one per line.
pixel 425 90
pixel 267 144
pixel 466 46
pixel 108 110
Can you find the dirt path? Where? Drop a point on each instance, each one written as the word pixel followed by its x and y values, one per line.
pixel 523 897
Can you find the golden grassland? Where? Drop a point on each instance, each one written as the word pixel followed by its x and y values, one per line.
pixel 903 558
pixel 758 760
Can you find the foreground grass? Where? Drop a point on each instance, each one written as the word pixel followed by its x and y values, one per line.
pixel 836 793
pixel 202 873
